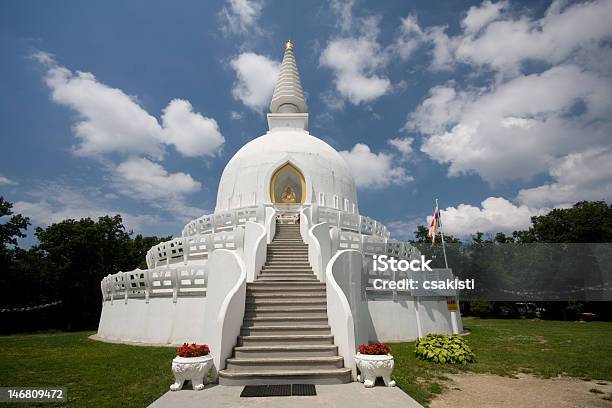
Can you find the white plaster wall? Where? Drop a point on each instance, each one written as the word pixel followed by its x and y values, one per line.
pixel 435 317
pixel 255 249
pixel 245 179
pixel 319 248
pixel 161 321
pixel 396 320
pixel 226 302
pixel 346 310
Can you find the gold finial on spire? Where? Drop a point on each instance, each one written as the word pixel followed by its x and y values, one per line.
pixel 288 45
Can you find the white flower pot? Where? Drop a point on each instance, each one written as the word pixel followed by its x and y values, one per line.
pixel 372 366
pixel 190 368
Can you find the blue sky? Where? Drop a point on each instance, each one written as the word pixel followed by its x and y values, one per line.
pixel 499 109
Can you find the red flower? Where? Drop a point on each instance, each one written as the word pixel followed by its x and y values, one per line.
pixel 375 349
pixel 193 350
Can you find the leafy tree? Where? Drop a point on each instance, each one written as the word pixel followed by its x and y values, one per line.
pixel 12 229
pixel 79 254
pixel 422 232
pixel 585 222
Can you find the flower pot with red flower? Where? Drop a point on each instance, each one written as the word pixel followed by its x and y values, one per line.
pixel 375 360
pixel 192 362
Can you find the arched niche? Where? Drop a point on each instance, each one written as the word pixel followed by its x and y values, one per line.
pixel 287 185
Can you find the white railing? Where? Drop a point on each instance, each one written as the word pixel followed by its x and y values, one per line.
pixel 164 281
pixel 224 220
pixel 349 222
pixel 193 248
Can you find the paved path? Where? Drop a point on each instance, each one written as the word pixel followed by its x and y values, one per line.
pixel 352 395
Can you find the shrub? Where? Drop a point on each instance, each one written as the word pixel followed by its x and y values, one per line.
pixel 443 348
pixel 482 308
pixel 375 349
pixel 193 350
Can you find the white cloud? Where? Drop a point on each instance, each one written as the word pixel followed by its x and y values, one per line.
pixel 141 178
pixel 236 115
pixel 332 101
pixel 110 121
pixel 56 202
pixel 343 9
pixel 411 37
pixel 578 176
pixel 495 38
pixel 516 129
pixel 403 229
pixel 191 133
pixel 403 145
pixel 551 120
pixel 240 16
pixel 479 17
pixel 495 214
pixel 256 78
pixel 6 181
pixel 356 63
pixel 372 170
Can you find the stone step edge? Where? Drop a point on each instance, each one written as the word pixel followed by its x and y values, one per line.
pixel 249 360
pixel 284 373
pixel 287 337
pixel 301 327
pixel 287 347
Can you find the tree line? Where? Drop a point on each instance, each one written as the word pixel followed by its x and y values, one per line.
pixel 71 257
pixel 559 256
pixel 66 264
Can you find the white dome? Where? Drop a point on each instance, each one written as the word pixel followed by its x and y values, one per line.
pixel 247 176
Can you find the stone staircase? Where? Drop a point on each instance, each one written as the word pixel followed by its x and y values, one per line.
pixel 285 337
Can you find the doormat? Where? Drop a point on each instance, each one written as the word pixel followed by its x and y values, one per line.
pixel 280 390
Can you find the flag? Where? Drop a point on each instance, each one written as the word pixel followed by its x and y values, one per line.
pixel 435 224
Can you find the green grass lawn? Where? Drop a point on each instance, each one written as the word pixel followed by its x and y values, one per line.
pixel 96 374
pixel 507 347
pixel 110 375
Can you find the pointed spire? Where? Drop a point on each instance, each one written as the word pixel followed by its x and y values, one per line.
pixel 288 96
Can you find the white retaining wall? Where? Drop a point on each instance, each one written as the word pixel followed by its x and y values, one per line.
pixel 159 321
pixel 396 320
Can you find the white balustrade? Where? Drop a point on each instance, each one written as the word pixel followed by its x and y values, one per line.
pixel 330 216
pixel 372 245
pixel 224 220
pixel 349 222
pixel 162 281
pixel 366 225
pixel 349 240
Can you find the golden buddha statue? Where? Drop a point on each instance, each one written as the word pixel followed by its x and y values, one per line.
pixel 288 195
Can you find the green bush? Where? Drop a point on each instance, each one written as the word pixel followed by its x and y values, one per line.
pixel 443 348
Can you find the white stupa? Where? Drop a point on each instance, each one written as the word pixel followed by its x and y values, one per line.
pixel 278 280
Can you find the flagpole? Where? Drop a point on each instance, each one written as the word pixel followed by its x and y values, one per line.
pixel 442 237
pixel 453 313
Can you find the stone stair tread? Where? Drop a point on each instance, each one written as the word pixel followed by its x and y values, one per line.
pixel 286 336
pixel 287 347
pixel 286 318
pixel 304 326
pixel 286 302
pixel 281 309
pixel 250 360
pixel 285 295
pixel 266 285
pixel 285 373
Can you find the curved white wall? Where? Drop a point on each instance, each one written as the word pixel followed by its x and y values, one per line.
pixel 161 321
pixel 346 310
pixel 225 304
pixel 246 178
